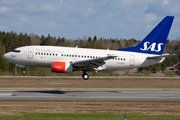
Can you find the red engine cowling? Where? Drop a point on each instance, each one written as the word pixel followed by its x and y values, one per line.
pixel 62 67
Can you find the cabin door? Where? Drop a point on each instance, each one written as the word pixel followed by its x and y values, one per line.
pixel 30 53
pixel 132 60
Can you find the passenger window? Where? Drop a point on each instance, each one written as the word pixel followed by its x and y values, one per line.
pixel 47 53
pixel 121 58
pixel 87 56
pixel 41 53
pixel 124 59
pixel 44 53
pixel 69 55
pixel 36 53
pixel 56 54
pixel 72 55
pixel 82 56
pixel 91 57
pixel 50 53
pixel 61 54
pixel 75 55
pixel 64 55
pixel 78 55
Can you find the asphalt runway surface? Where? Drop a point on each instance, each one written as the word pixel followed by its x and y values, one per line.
pixel 91 95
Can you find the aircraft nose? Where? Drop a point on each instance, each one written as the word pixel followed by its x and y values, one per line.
pixel 5 56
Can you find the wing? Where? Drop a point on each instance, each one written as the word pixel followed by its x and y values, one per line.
pixel 95 64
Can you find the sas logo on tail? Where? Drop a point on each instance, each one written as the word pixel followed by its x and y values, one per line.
pixel 152 47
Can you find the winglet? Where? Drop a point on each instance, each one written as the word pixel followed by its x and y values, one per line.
pixel 155 41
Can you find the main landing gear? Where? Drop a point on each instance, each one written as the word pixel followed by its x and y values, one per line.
pixel 85 76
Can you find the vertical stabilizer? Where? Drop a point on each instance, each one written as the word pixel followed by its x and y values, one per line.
pixel 155 41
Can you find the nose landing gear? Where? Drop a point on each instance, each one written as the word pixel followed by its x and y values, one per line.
pixel 24 71
pixel 85 76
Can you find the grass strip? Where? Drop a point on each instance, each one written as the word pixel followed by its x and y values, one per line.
pixel 90 116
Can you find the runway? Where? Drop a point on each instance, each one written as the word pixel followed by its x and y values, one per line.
pixel 91 95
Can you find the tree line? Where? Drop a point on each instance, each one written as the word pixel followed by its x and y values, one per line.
pixel 11 40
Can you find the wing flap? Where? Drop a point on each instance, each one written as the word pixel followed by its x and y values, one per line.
pixel 87 62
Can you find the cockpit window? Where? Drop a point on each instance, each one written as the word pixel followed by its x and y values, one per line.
pixel 16 51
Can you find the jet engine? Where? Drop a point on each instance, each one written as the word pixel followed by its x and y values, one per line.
pixel 62 67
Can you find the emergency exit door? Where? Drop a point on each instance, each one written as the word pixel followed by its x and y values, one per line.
pixel 132 60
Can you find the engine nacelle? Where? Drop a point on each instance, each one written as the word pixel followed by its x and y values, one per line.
pixel 62 67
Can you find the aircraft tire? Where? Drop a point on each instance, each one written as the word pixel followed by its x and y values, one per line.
pixel 24 71
pixel 85 76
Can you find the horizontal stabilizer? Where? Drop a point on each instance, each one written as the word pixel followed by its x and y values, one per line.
pixel 160 56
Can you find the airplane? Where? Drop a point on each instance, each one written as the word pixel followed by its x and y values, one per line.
pixel 68 59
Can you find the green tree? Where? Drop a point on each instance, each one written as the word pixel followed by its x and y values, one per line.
pixel 89 39
pixel 44 40
pixel 3 65
pixel 163 67
pixel 131 42
pixel 94 39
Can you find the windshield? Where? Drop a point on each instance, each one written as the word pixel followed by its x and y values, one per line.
pixel 16 51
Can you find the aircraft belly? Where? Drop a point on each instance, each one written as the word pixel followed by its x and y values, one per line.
pixel 34 62
pixel 43 63
pixel 111 65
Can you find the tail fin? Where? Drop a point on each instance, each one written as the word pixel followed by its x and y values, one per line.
pixel 155 41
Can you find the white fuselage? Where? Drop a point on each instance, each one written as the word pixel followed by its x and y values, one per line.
pixel 43 56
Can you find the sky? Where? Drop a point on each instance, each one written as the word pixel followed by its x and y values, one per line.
pixel 75 19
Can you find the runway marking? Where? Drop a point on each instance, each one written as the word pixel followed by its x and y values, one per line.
pixel 6 94
pixel 8 90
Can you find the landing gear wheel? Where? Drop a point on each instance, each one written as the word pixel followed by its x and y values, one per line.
pixel 85 76
pixel 24 71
